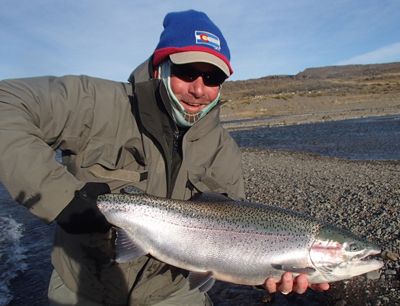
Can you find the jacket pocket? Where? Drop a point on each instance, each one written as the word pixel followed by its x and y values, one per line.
pixel 98 152
pixel 204 181
pixel 108 162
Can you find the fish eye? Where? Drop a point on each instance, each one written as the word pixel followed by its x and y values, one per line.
pixel 353 247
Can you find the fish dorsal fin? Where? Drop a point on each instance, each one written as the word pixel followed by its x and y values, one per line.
pixel 201 280
pixel 127 248
pixel 210 197
pixel 130 189
pixel 294 269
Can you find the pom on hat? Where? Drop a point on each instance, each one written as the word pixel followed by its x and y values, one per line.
pixel 191 36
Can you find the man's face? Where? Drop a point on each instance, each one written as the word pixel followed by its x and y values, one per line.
pixel 196 85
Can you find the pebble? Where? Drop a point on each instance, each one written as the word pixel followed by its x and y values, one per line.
pixel 390 272
pixel 390 255
pixel 341 303
pixel 373 275
pixel 376 302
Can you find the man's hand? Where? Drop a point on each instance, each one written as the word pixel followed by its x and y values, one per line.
pixel 287 284
pixel 81 215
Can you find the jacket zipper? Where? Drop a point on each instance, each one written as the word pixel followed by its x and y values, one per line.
pixel 174 168
pixel 175 144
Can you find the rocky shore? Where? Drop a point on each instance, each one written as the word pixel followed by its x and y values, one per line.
pixel 360 196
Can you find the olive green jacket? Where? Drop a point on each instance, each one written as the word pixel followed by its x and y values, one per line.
pixel 117 133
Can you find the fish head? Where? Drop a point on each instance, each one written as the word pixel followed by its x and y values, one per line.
pixel 338 254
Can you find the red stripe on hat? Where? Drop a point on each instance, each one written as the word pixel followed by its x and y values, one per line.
pixel 161 54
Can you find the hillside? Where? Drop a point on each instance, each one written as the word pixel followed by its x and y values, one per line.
pixel 336 89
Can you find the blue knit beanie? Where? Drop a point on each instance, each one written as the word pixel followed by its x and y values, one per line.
pixel 191 36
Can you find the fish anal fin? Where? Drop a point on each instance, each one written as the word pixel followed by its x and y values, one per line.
pixel 294 269
pixel 127 248
pixel 201 280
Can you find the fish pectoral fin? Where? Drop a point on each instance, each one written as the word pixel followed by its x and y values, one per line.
pixel 207 286
pixel 127 248
pixel 294 269
pixel 201 280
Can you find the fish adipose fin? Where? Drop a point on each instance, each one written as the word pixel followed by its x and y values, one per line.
pixel 201 280
pixel 294 269
pixel 127 248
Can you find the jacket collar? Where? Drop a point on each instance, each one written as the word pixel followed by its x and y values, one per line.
pixel 204 125
pixel 143 72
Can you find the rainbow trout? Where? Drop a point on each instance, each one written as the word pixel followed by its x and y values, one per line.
pixel 215 237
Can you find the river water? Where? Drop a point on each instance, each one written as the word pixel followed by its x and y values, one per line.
pixel 25 242
pixel 376 138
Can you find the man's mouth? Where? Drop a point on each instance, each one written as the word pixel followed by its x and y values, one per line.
pixel 192 108
pixel 192 104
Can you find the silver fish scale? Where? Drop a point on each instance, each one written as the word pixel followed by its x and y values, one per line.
pixel 253 235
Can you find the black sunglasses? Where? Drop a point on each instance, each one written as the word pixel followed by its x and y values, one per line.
pixel 188 73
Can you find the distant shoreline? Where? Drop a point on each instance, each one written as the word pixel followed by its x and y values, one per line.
pixel 297 111
pixel 286 120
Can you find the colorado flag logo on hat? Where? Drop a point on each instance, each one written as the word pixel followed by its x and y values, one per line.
pixel 207 38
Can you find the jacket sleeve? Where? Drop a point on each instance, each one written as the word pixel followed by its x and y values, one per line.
pixel 230 166
pixel 214 163
pixel 37 116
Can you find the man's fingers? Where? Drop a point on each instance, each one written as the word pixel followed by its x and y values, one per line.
pixel 301 284
pixel 270 285
pixel 287 283
pixel 320 287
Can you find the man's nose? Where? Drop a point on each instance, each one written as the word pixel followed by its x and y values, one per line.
pixel 197 87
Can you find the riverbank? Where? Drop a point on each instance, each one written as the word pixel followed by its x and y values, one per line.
pixel 361 196
pixel 295 110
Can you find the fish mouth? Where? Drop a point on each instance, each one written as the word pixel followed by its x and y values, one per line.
pixel 349 269
pixel 369 258
pixel 363 263
pixel 367 265
pixel 367 253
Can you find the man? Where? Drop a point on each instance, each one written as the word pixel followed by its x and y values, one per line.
pixel 160 132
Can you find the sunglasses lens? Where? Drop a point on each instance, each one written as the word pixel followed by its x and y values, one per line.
pixel 214 78
pixel 188 73
pixel 185 73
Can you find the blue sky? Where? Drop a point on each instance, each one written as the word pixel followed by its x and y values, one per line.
pixel 108 39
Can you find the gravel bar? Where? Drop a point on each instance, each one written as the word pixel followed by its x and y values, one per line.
pixel 360 196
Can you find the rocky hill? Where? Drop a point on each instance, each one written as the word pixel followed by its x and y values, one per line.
pixel 349 71
pixel 377 78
